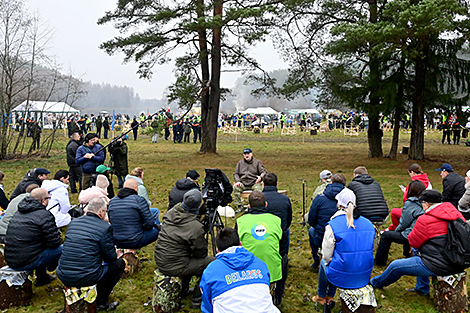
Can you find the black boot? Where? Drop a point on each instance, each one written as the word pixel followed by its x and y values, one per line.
pixel 197 296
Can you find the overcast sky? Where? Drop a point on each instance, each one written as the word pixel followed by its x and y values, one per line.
pixel 76 37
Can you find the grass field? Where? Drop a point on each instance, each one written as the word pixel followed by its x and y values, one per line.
pixel 301 156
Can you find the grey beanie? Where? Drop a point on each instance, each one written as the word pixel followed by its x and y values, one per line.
pixel 192 200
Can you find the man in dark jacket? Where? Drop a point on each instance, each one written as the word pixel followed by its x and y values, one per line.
pixel 99 125
pixel 89 158
pixel 370 201
pixel 35 176
pixel 453 184
pixel 279 205
pixel 181 247
pixel 323 207
pixel 89 256
pixel 74 169
pixel 32 241
pixel 134 225
pixel 118 151
pixel 182 186
pixel 429 237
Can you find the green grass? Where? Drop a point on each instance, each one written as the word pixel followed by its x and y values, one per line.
pixel 290 157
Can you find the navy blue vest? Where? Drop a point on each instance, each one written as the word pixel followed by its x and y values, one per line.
pixel 353 258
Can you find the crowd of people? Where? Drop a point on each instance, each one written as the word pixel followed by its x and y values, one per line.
pixel 253 257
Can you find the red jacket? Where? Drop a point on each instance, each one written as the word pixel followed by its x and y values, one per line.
pixel 429 235
pixel 422 178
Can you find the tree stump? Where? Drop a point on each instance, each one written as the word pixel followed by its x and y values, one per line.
pixel 450 293
pixel 166 293
pixel 361 309
pixel 132 264
pixel 80 306
pixel 13 295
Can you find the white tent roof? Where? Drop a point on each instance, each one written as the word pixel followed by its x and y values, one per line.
pixel 300 111
pixel 46 106
pixel 260 111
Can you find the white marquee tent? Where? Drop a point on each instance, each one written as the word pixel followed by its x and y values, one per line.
pixel 47 111
pixel 260 111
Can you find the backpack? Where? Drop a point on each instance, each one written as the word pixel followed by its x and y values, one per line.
pixel 457 249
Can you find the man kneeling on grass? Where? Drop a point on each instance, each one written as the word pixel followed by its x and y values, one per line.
pixel 236 281
pixel 89 243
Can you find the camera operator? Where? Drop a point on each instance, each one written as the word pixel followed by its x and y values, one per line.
pixel 118 151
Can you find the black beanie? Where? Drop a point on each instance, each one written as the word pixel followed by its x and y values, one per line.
pixel 431 196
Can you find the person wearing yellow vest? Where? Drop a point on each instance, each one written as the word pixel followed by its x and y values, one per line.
pixel 260 233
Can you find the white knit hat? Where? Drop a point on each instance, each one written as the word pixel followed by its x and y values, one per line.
pixel 102 182
pixel 345 197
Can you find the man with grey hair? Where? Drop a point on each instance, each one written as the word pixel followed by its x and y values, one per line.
pixel 89 257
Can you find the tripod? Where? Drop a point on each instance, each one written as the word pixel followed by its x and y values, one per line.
pixel 304 182
pixel 215 223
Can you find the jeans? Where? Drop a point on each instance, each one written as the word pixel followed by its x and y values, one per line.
pixel 155 212
pixel 281 284
pixel 313 246
pixel 413 266
pixel 111 275
pixel 120 181
pixel 49 259
pixel 324 286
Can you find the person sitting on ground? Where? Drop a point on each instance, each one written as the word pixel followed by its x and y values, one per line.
pixel 261 232
pixel 370 199
pixel 134 224
pixel 453 185
pixel 222 294
pixel 429 238
pixel 34 176
pixel 464 202
pixel 416 173
pixel 279 205
pixel 137 174
pixel 3 199
pixel 412 209
pixel 89 257
pixel 12 209
pixel 32 239
pixel 347 249
pixel 181 247
pixel 323 207
pixel 98 191
pixel 103 170
pixel 182 186
pixel 325 178
pixel 248 175
pixel 59 203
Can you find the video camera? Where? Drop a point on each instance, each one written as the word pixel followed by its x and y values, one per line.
pixel 216 189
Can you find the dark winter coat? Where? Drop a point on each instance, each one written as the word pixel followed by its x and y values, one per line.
pixel 23 184
pixel 412 209
pixel 280 205
pixel 88 242
pixel 31 231
pixel 3 200
pixel 119 152
pixel 370 201
pixel 130 215
pixel 89 165
pixel 179 189
pixel 180 240
pixel 323 207
pixel 71 149
pixel 453 188
pixel 429 236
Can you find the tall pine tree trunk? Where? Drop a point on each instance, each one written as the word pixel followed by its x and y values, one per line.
pixel 398 111
pixel 417 126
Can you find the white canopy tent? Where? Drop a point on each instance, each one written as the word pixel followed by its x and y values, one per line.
pixel 46 111
pixel 260 111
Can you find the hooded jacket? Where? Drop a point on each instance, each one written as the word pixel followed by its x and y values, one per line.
pixel 453 188
pixel 179 189
pixel 181 239
pixel 31 231
pixel 235 282
pixel 10 212
pixel 412 209
pixel 422 178
pixel 141 190
pixel 130 215
pixel 429 236
pixel 247 172
pixel 23 184
pixel 88 242
pixel 59 204
pixel 89 194
pixel 323 207
pixel 370 201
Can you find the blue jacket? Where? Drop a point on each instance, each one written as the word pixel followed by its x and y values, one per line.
pixel 236 267
pixel 280 205
pixel 412 209
pixel 89 165
pixel 130 215
pixel 353 258
pixel 322 209
pixel 88 242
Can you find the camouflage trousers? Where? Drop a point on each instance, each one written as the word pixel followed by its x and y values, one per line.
pixel 237 191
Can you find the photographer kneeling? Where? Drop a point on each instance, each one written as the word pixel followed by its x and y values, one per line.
pixel 181 248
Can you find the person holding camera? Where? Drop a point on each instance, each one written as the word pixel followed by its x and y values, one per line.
pixel 89 158
pixel 248 175
pixel 181 247
pixel 118 152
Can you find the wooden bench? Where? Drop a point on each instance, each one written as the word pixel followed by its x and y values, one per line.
pixel 16 289
pixel 82 304
pixel 351 131
pixel 289 131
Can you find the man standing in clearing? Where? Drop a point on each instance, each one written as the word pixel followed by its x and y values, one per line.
pixel 248 175
pixel 89 158
pixel 74 169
